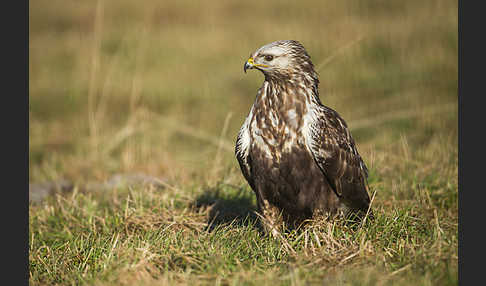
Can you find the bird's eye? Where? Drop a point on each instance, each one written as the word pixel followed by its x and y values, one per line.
pixel 268 58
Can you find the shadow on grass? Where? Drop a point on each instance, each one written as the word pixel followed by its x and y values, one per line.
pixel 234 205
pixel 228 204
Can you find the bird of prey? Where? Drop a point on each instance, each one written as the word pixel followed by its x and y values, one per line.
pixel 297 154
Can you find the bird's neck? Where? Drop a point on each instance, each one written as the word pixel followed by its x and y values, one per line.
pixel 279 93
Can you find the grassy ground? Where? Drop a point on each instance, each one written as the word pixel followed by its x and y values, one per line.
pixel 158 88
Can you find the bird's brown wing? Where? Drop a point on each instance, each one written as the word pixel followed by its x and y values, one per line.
pixel 335 153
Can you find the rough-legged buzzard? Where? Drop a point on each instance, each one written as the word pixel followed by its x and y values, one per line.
pixel 297 154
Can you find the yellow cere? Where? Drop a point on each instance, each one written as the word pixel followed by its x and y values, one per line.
pixel 250 61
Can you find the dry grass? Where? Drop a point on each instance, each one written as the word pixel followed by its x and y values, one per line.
pixel 158 88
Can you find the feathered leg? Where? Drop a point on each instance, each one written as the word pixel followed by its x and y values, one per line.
pixel 270 217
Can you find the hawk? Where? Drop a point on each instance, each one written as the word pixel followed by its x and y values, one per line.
pixel 297 154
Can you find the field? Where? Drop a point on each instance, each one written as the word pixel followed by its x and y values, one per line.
pixel 157 88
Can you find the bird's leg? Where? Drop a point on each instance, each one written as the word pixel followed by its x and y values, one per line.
pixel 271 218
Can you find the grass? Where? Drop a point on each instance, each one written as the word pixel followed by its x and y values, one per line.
pixel 158 88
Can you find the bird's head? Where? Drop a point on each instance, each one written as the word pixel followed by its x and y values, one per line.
pixel 281 59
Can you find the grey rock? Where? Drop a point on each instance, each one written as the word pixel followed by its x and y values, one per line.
pixel 39 191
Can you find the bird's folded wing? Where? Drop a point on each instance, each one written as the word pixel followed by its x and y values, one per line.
pixel 335 153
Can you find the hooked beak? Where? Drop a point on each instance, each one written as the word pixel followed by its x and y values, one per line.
pixel 248 64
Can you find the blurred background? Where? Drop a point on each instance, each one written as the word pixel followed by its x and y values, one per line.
pixel 158 87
